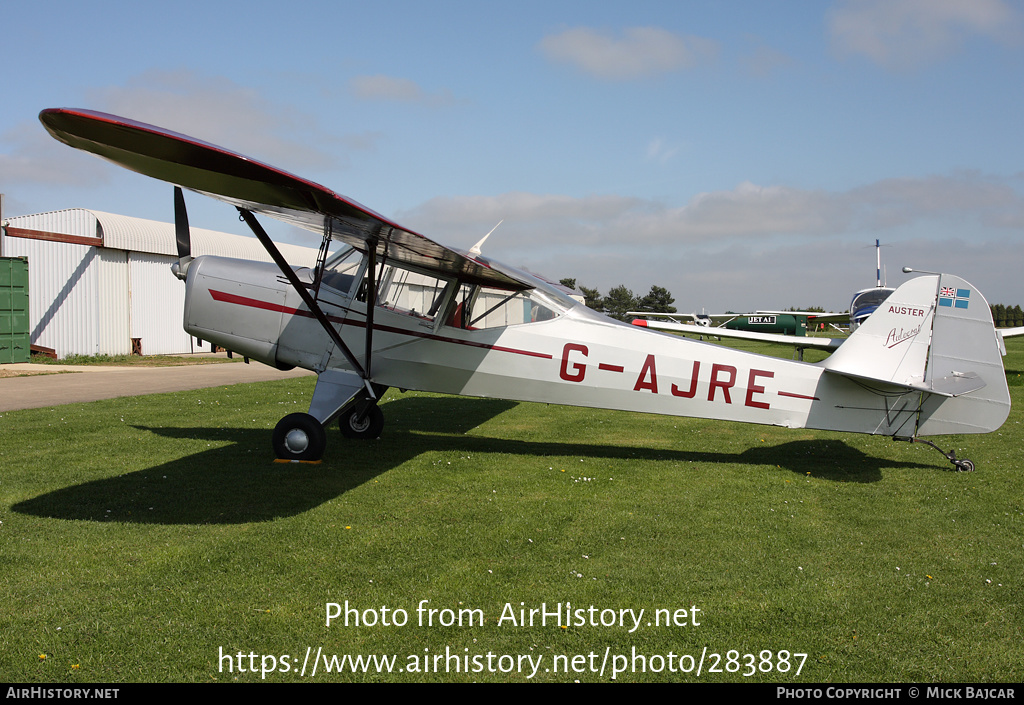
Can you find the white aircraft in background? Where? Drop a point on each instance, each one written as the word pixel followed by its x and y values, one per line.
pixel 866 301
pixel 798 342
pixel 431 318
pixel 763 325
pixel 862 305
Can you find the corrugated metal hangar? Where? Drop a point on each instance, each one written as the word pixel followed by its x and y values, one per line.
pixel 101 284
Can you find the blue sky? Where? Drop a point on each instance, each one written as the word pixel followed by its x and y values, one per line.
pixel 743 155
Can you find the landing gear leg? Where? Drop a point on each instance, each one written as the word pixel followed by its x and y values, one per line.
pixel 338 394
pixel 343 395
pixel 363 420
pixel 962 465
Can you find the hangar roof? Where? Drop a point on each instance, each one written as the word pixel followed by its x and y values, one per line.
pixel 123 232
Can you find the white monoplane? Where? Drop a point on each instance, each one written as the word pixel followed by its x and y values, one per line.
pixel 395 309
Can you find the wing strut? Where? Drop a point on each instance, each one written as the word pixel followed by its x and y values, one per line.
pixel 321 258
pixel 311 304
pixel 372 287
pixel 371 298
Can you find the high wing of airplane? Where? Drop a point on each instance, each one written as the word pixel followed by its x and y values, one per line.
pixel 764 326
pixel 791 322
pixel 392 308
pixel 704 320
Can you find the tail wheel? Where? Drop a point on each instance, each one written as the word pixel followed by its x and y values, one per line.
pixel 367 427
pixel 962 465
pixel 299 437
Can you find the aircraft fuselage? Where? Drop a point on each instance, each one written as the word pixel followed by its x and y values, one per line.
pixel 577 357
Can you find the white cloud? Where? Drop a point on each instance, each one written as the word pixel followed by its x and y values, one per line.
pixel 660 151
pixel 219 111
pixel 747 212
pixel 748 245
pixel 905 34
pixel 476 211
pixel 37 158
pixel 896 202
pixel 764 61
pixel 402 90
pixel 213 109
pixel 639 52
pixel 751 210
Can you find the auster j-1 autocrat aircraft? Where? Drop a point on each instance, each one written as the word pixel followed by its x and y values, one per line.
pixel 392 308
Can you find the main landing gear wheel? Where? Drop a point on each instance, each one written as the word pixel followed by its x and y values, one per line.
pixel 299 437
pixel 369 427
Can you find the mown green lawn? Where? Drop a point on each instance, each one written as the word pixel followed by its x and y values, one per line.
pixel 153 539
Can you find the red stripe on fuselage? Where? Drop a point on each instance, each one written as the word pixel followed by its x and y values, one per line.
pixel 797 396
pixel 268 306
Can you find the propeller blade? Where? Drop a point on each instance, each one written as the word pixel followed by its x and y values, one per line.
pixel 181 234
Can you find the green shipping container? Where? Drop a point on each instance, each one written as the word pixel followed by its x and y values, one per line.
pixel 15 345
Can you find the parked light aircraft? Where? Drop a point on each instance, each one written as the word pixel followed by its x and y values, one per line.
pixel 761 325
pixel 798 342
pixel 758 326
pixel 782 322
pixel 392 308
pixel 866 301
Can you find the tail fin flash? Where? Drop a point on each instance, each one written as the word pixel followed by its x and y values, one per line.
pixel 935 335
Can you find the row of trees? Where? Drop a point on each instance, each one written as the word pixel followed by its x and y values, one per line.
pixel 1007 316
pixel 620 299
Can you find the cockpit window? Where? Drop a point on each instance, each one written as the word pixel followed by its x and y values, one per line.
pixel 872 297
pixel 405 291
pixel 341 269
pixel 425 296
pixel 409 292
pixel 478 307
pixel 867 301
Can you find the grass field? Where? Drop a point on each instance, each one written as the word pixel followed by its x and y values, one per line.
pixel 153 539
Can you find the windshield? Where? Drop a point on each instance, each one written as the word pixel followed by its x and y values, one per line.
pixel 868 299
pixel 479 307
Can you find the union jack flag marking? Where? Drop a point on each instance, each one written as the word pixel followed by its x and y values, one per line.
pixel 954 298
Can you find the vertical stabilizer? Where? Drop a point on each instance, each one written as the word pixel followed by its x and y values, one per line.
pixel 892 344
pixel 934 335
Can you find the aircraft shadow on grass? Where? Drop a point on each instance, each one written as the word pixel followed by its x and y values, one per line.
pixel 230 484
